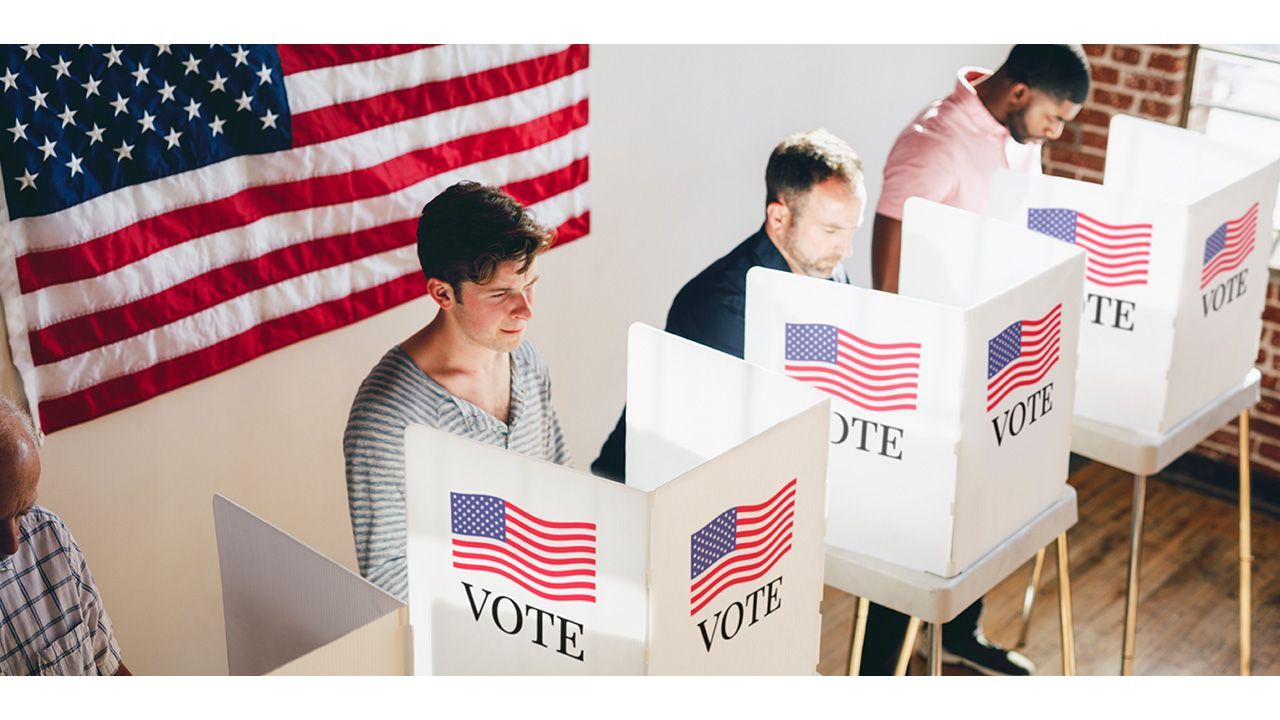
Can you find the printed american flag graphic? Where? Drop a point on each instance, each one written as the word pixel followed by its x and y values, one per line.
pixel 553 560
pixel 1227 247
pixel 875 376
pixel 1115 255
pixel 174 211
pixel 740 545
pixel 1022 354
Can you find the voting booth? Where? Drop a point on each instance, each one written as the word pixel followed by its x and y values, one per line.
pixel 951 401
pixel 291 611
pixel 1176 244
pixel 709 561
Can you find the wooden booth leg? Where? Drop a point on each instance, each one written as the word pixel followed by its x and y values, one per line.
pixel 1246 552
pixel 1135 557
pixel 859 635
pixel 935 648
pixel 1064 609
pixel 1029 600
pixel 908 646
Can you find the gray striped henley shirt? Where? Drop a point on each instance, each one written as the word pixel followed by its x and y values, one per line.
pixel 396 394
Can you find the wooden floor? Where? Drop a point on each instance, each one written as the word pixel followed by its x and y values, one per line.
pixel 1188 610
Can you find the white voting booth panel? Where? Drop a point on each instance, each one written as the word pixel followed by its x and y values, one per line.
pixel 951 401
pixel 710 563
pixel 519 566
pixel 729 453
pixel 1176 241
pixel 380 647
pixel 291 611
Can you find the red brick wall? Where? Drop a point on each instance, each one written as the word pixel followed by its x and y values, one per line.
pixel 1151 81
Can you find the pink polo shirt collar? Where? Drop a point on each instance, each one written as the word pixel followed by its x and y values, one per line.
pixel 965 98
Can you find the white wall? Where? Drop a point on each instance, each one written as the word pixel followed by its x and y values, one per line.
pixel 679 135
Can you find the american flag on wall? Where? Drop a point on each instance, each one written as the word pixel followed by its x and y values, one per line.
pixel 553 560
pixel 740 545
pixel 1022 354
pixel 174 211
pixel 1227 247
pixel 874 376
pixel 1115 255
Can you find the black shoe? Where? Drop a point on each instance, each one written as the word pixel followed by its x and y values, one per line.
pixel 978 653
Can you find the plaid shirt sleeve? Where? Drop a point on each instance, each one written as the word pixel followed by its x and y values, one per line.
pixel 106 651
pixel 51 612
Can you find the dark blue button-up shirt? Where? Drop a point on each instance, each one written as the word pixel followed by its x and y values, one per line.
pixel 710 309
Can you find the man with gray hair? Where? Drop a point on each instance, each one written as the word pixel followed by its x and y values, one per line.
pixel 814 201
pixel 52 617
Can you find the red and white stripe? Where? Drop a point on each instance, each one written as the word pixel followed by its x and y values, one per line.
pixel 1115 255
pixel 553 560
pixel 763 538
pixel 880 377
pixel 1040 350
pixel 1241 236
pixel 154 286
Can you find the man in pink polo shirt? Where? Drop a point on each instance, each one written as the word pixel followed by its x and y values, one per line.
pixel 991 121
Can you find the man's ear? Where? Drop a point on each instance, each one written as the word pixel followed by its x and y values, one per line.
pixel 442 292
pixel 1019 95
pixel 777 216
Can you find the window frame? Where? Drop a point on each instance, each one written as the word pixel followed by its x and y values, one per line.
pixel 1196 110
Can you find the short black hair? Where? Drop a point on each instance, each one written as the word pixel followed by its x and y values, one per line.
pixel 805 159
pixel 469 229
pixel 1059 70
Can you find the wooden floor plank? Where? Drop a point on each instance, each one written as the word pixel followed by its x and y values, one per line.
pixel 1188 600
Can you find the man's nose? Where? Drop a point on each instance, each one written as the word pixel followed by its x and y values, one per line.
pixel 1055 130
pixel 524 307
pixel 845 247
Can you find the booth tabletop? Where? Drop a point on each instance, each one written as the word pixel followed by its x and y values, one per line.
pixel 1146 454
pixel 937 599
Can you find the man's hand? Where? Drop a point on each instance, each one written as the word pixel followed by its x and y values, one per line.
pixel 886 242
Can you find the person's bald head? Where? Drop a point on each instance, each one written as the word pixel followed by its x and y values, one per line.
pixel 19 472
